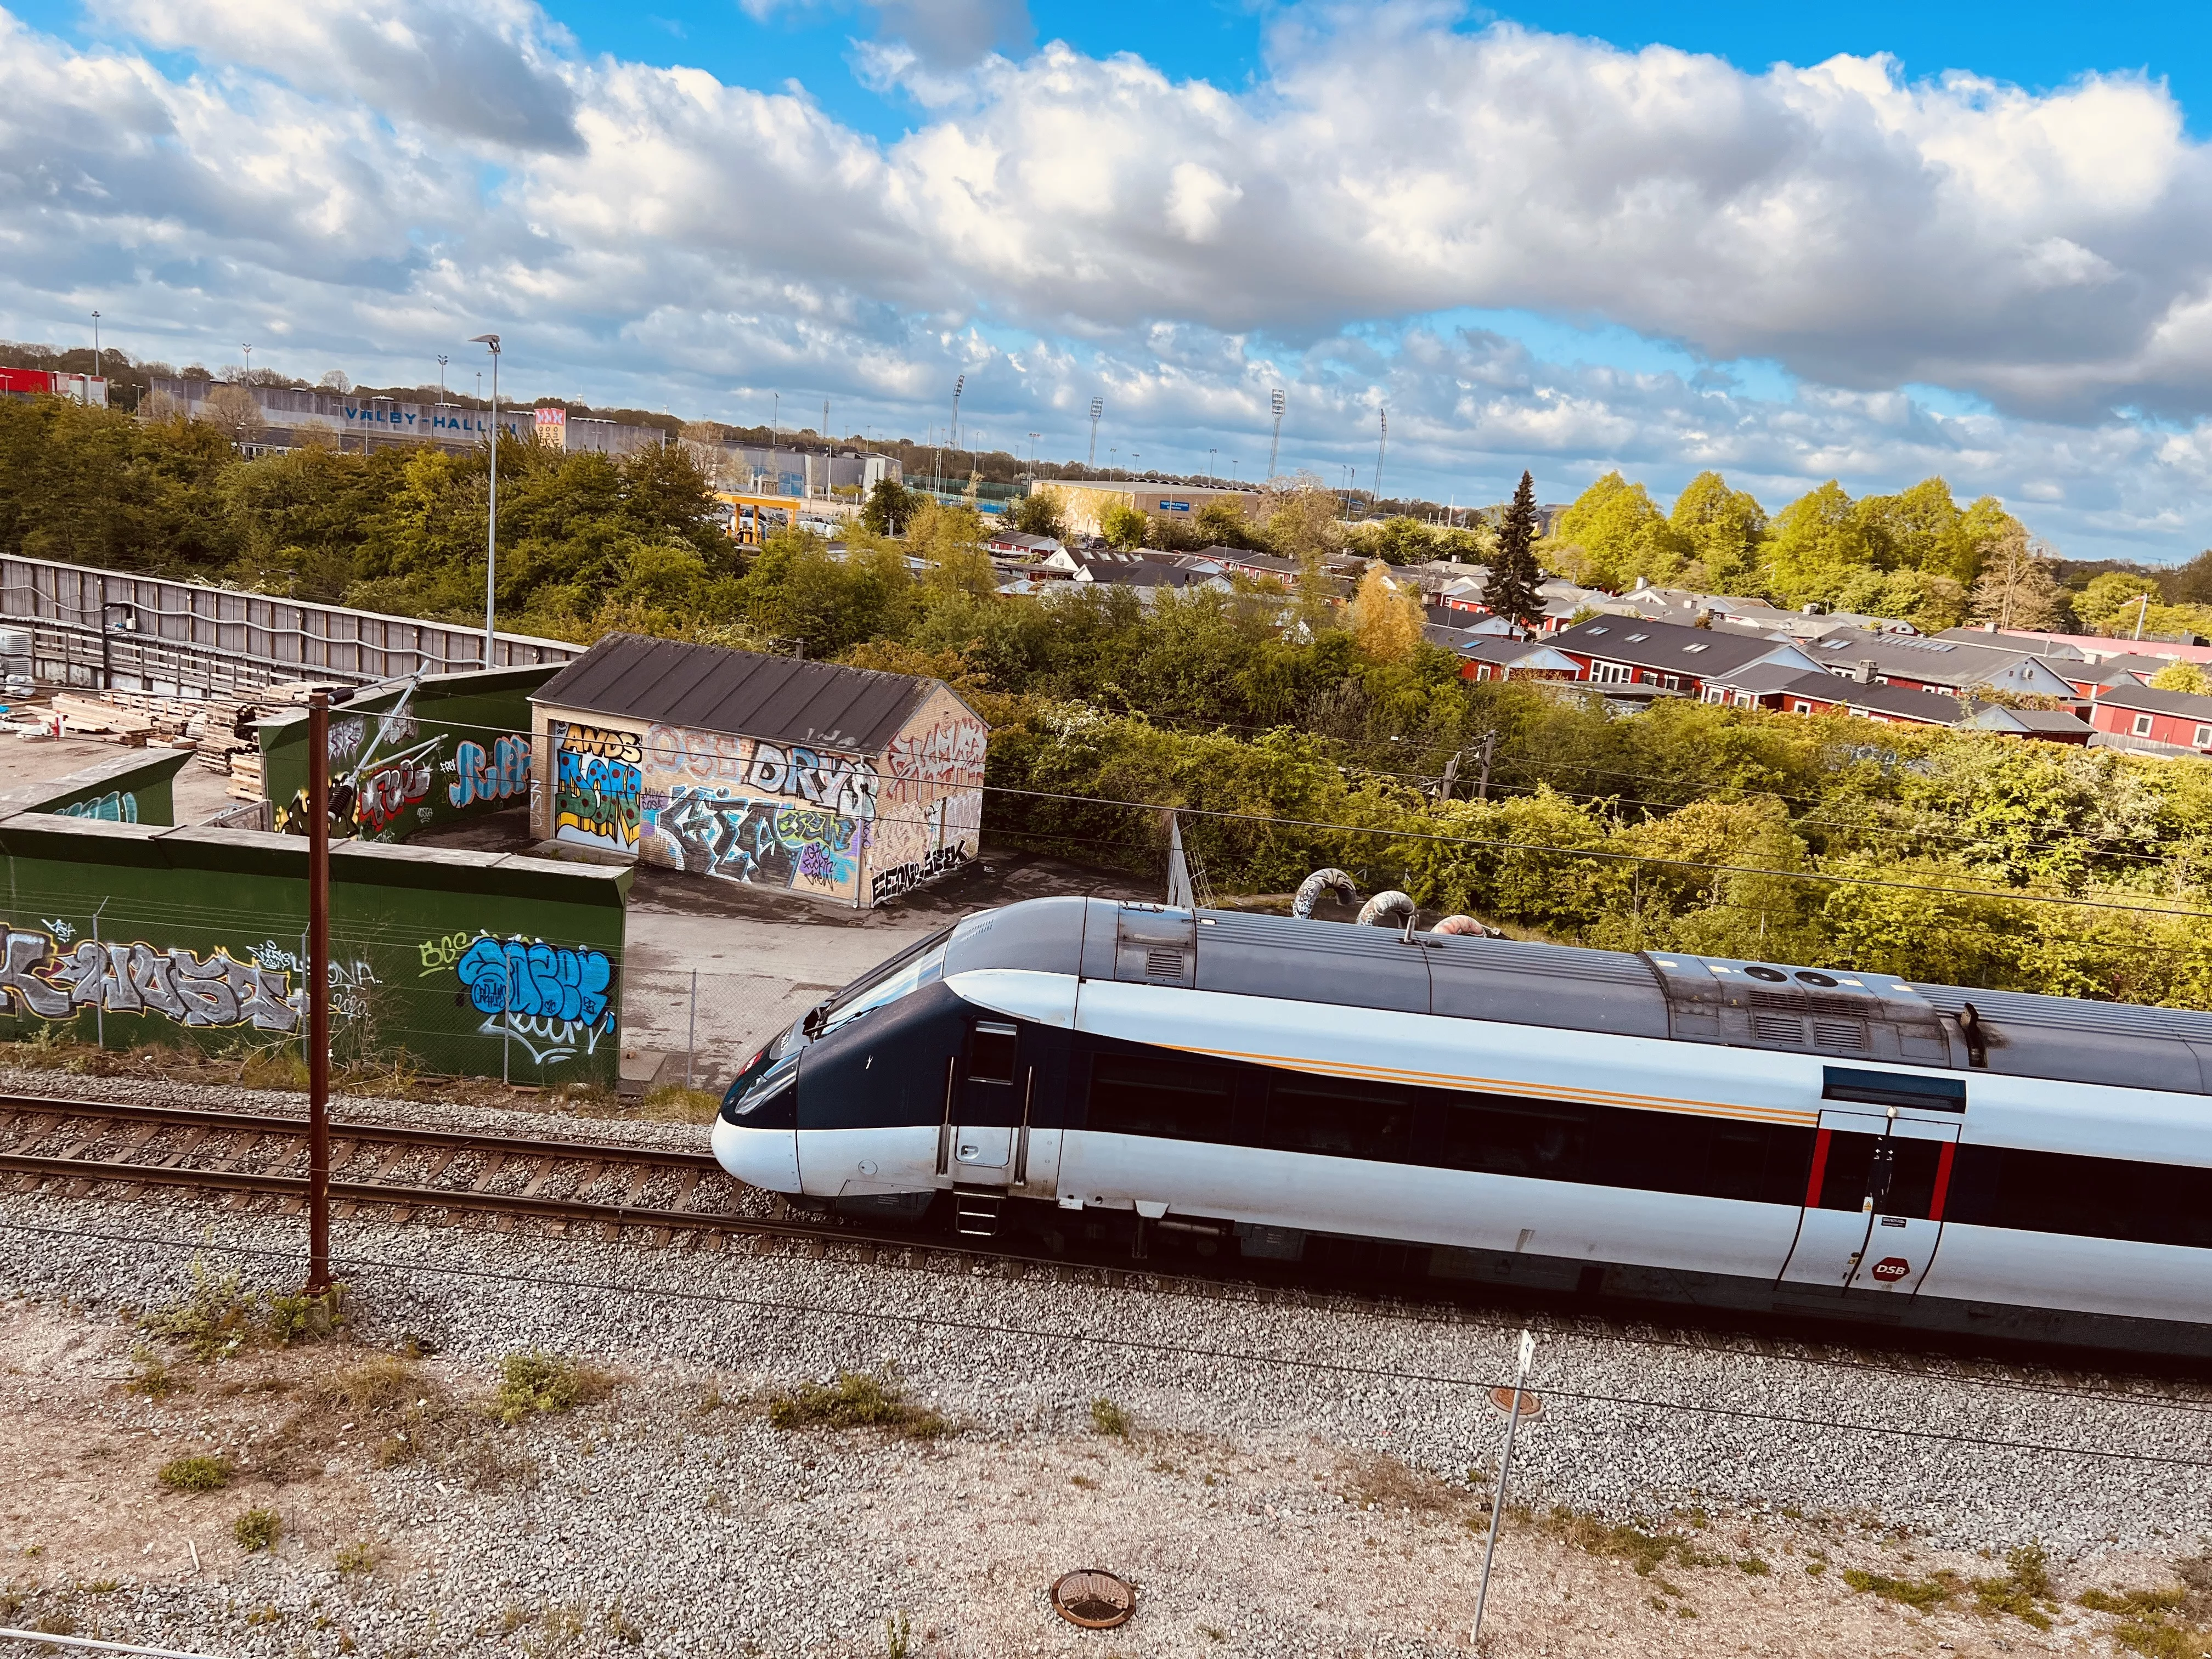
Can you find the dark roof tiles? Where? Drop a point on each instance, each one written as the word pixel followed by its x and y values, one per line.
pixel 708 688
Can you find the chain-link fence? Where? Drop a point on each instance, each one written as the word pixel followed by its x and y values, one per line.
pixel 695 1029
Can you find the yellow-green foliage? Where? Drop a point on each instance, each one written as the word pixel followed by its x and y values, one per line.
pixel 534 1383
pixel 196 1473
pixel 855 1400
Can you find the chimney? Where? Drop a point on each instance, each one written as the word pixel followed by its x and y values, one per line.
pixel 1641 582
pixel 1862 671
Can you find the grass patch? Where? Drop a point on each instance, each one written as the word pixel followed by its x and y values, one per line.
pixel 1106 1417
pixel 1623 1540
pixel 1753 1565
pixel 674 1103
pixel 534 1384
pixel 2024 1592
pixel 2174 1623
pixel 196 1473
pixel 1379 1480
pixel 360 1557
pixel 258 1529
pixel 1921 1593
pixel 856 1400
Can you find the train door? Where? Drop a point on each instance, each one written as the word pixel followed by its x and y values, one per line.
pixel 989 1140
pixel 1874 1202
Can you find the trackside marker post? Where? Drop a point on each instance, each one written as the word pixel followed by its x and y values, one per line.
pixel 318 993
pixel 1504 1467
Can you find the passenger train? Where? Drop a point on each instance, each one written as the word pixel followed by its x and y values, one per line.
pixel 1743 1136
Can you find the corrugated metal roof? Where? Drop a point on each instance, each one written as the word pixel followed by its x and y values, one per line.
pixel 708 688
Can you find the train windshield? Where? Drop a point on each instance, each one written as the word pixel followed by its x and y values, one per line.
pixel 903 974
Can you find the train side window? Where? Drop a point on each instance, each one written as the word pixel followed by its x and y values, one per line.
pixel 1338 1119
pixel 1131 1096
pixel 2083 1197
pixel 1913 1178
pixel 1844 1176
pixel 1520 1137
pixel 991 1054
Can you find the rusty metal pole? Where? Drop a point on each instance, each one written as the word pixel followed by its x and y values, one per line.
pixel 318 993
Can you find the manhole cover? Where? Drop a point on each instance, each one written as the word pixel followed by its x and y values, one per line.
pixel 1503 1399
pixel 1095 1599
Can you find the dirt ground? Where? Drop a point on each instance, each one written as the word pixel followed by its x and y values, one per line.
pixel 1280 1546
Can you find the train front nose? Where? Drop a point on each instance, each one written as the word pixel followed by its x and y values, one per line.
pixel 757 1132
pixel 766 1158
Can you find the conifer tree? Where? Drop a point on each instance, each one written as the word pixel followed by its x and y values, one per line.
pixel 1510 592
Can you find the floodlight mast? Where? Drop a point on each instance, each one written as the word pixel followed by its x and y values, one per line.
pixel 1277 402
pixel 1380 443
pixel 1097 408
pixel 959 385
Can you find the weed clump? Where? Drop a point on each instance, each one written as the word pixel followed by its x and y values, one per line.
pixel 856 1400
pixel 356 1558
pixel 1109 1419
pixel 1623 1540
pixel 257 1529
pixel 674 1103
pixel 534 1383
pixel 1379 1480
pixel 220 1314
pixel 1921 1593
pixel 2023 1591
pixel 151 1375
pixel 2164 1624
pixel 196 1473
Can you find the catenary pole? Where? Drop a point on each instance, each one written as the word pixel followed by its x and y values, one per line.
pixel 490 342
pixel 1497 1501
pixel 318 993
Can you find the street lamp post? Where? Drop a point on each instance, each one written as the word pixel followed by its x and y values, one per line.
pixel 490 342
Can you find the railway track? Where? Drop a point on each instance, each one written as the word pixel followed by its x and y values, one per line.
pixel 673 1198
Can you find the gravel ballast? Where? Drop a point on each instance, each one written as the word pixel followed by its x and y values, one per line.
pixel 709 1531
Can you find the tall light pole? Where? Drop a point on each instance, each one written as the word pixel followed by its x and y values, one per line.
pixel 1380 443
pixel 1210 454
pixel 1097 408
pixel 248 350
pixel 1034 436
pixel 441 379
pixel 1279 403
pixel 959 385
pixel 490 342
pixel 95 345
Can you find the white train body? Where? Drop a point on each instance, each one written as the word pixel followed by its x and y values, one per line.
pixel 1658 1126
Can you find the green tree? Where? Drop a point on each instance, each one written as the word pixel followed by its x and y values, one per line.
pixel 1385 619
pixel 1723 530
pixel 2182 675
pixel 2110 602
pixel 1038 514
pixel 890 506
pixel 1123 526
pixel 1511 590
pixel 1621 536
pixel 2016 589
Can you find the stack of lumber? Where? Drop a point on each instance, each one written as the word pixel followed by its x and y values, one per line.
pixel 222 750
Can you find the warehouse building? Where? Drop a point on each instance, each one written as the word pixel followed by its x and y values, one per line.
pixel 842 783
pixel 1083 507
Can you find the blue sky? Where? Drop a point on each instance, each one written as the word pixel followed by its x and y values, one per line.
pixel 1978 243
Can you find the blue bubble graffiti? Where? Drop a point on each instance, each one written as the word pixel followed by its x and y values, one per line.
pixel 552 1000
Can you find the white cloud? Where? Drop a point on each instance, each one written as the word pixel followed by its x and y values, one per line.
pixel 371 177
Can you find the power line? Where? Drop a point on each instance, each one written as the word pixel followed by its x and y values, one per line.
pixel 1138 1345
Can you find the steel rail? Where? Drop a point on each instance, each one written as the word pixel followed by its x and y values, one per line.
pixel 962 1253
pixel 460 1139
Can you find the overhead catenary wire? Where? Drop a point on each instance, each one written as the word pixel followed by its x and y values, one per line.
pixel 562 1282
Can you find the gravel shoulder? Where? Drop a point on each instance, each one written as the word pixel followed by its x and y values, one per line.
pixel 671 1515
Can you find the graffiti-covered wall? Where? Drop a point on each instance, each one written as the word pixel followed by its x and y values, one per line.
pixel 451 746
pixel 857 828
pixel 468 964
pixel 135 786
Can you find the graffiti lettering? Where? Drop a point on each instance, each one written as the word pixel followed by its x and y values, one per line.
pixel 115 806
pixel 439 954
pixel 905 877
pixel 60 930
pixel 346 738
pixel 384 795
pixel 597 785
pixel 609 744
pixel 502 776
pixel 553 1001
pixel 136 978
pixel 526 977
pixel 949 755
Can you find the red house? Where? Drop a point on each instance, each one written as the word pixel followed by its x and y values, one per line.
pixel 2143 717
